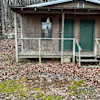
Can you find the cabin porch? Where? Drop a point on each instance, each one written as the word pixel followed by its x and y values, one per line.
pixel 65 55
pixel 56 46
pixel 48 54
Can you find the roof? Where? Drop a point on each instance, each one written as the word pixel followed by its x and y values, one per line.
pixel 50 3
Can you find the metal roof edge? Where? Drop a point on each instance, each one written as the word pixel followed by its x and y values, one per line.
pixel 48 3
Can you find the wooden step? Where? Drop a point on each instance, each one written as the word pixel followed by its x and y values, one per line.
pixel 90 66
pixel 88 60
pixel 86 55
pixel 98 57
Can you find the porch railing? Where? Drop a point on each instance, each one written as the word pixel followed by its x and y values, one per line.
pixel 62 50
pixel 97 46
pixel 79 52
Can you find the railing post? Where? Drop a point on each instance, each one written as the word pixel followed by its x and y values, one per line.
pixel 15 2
pixel 16 41
pixel 95 48
pixel 79 58
pixel 62 37
pixel 73 50
pixel 79 53
pixel 21 34
pixel 40 51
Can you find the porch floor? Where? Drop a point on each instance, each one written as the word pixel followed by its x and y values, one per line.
pixel 52 54
pixel 44 54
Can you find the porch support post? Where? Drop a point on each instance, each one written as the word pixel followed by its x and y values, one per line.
pixel 40 51
pixel 62 37
pixel 73 50
pixel 16 42
pixel 21 34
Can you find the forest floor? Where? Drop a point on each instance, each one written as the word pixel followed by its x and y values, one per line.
pixel 48 81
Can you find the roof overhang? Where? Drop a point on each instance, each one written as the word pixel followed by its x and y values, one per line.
pixel 51 3
pixel 47 8
pixel 44 10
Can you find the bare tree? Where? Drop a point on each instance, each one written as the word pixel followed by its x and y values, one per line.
pixel 7 14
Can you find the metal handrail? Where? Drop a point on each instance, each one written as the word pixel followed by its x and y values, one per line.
pixel 97 45
pixel 97 42
pixel 80 49
pixel 78 45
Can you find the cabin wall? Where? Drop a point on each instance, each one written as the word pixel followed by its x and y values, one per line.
pixel 66 5
pixel 75 5
pixel 91 5
pixel 32 28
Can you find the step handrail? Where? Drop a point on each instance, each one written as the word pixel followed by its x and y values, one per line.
pixel 97 41
pixel 97 45
pixel 79 47
pixel 79 52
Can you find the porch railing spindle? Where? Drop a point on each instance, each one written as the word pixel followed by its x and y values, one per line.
pixel 40 51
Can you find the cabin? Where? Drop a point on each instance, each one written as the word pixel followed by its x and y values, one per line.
pixel 65 29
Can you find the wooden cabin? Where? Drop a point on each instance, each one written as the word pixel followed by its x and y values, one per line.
pixel 66 29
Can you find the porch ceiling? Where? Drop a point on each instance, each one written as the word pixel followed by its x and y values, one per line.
pixel 56 10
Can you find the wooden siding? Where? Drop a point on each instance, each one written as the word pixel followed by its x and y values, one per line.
pixel 66 5
pixel 91 5
pixel 75 5
pixel 32 28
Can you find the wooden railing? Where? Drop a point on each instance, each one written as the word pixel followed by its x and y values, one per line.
pixel 39 44
pixel 23 2
pixel 79 52
pixel 97 46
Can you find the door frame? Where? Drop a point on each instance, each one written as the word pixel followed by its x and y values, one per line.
pixel 93 33
pixel 60 23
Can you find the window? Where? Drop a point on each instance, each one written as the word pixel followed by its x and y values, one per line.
pixel 46 31
pixel 81 4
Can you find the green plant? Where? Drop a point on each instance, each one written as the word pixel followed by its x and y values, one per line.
pixel 53 97
pixel 76 84
pixel 76 88
pixel 41 96
pixel 13 87
pixel 37 89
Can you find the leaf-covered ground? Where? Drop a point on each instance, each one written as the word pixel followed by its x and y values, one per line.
pixel 46 81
